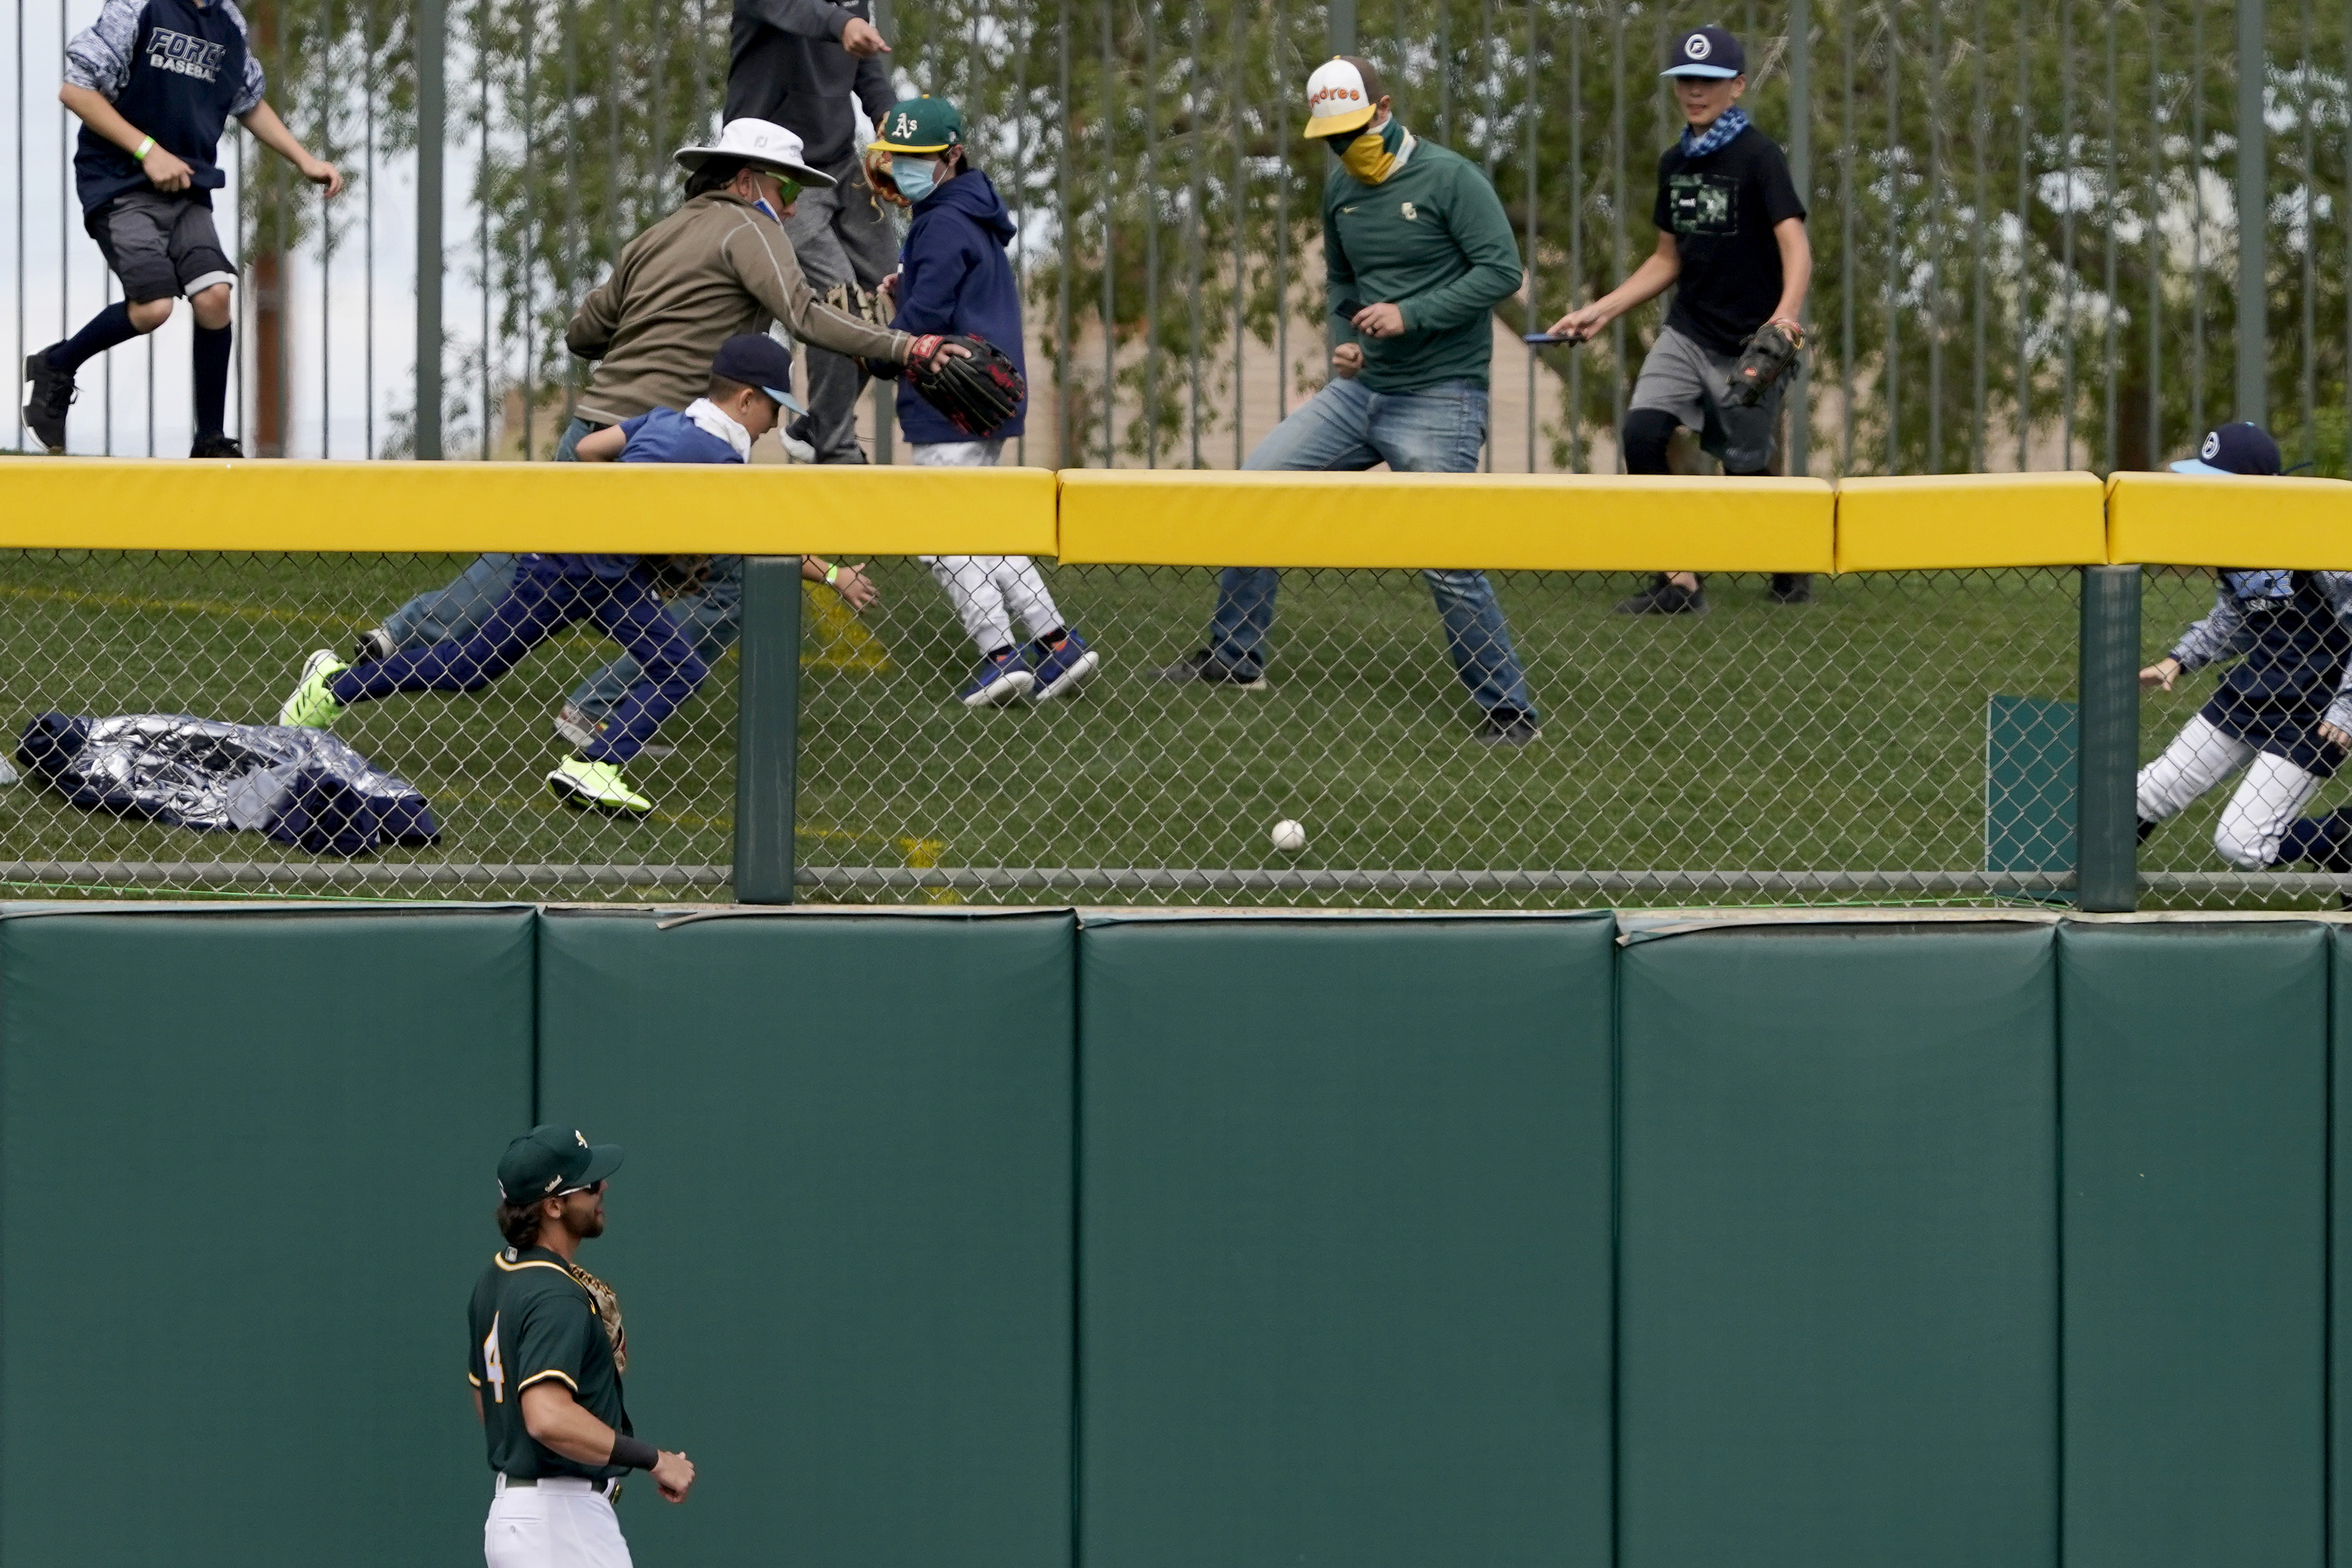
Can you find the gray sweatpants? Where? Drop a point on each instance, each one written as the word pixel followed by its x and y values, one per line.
pixel 1683 377
pixel 841 236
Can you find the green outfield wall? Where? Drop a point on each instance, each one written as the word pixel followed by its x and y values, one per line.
pixel 1060 1240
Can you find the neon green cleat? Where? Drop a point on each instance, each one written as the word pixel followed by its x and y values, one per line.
pixel 596 786
pixel 312 706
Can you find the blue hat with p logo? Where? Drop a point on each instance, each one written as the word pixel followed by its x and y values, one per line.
pixel 2234 448
pixel 1709 51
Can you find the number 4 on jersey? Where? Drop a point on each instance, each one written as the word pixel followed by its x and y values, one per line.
pixel 494 1368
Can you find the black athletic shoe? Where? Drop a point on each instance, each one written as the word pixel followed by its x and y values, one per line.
pixel 51 393
pixel 1509 727
pixel 1793 587
pixel 215 446
pixel 1664 596
pixel 375 645
pixel 1206 667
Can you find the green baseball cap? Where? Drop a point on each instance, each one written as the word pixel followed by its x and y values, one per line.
pixel 920 125
pixel 549 1161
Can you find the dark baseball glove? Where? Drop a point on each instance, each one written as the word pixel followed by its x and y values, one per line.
pixel 675 575
pixel 978 393
pixel 1764 359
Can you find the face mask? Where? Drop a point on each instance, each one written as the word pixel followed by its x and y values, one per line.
pixel 786 189
pixel 916 178
pixel 1371 156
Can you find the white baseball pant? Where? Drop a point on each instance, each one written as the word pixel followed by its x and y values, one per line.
pixel 2271 796
pixel 987 591
pixel 560 1523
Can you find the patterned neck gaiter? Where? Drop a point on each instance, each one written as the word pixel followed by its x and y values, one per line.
pixel 1730 124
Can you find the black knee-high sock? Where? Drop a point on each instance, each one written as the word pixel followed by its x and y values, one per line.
pixel 99 333
pixel 211 356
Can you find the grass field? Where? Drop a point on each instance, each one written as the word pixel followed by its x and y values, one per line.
pixel 1844 735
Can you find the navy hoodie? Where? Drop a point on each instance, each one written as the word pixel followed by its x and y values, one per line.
pixel 954 276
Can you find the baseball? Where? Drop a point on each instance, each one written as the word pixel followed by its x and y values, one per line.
pixel 1289 837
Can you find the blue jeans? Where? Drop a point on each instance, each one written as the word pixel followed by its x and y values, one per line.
pixel 1347 427
pixel 541 600
pixel 711 618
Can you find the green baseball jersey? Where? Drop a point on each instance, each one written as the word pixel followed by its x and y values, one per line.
pixel 535 1318
pixel 1434 241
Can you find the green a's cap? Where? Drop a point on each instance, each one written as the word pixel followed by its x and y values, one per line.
pixel 549 1161
pixel 920 125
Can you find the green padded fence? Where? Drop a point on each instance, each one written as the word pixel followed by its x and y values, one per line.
pixel 1141 1241
pixel 243 1191
pixel 1344 1242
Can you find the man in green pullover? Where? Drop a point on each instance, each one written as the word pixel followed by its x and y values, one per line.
pixel 1417 250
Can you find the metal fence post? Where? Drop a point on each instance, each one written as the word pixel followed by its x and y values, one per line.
pixel 767 729
pixel 2253 286
pixel 2107 830
pixel 432 41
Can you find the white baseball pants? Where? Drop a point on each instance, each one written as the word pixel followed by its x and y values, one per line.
pixel 987 591
pixel 558 1523
pixel 2271 796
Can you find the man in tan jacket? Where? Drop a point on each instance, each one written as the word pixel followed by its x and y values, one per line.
pixel 718 266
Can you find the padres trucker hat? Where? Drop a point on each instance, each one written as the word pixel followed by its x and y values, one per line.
pixel 2235 448
pixel 1342 95
pixel 925 124
pixel 755 359
pixel 549 1161
pixel 1709 51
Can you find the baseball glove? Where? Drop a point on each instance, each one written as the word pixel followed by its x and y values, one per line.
pixel 879 176
pixel 977 393
pixel 1764 359
pixel 675 575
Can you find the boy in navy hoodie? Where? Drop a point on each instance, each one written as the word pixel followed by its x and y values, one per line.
pixel 154 81
pixel 954 278
pixel 748 379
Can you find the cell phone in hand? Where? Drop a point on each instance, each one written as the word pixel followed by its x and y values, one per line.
pixel 1347 309
pixel 1548 340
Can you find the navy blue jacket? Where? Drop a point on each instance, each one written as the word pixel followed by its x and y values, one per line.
pixel 954 276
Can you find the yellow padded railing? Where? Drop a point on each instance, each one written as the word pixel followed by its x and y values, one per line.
pixel 1186 517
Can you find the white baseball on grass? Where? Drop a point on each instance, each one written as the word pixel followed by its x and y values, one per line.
pixel 1289 837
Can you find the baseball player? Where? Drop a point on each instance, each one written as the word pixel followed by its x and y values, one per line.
pixel 748 384
pixel 153 83
pixel 2282 712
pixel 953 279
pixel 1417 251
pixel 1732 244
pixel 545 1353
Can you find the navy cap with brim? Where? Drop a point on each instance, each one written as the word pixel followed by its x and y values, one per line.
pixel 1720 73
pixel 2198 466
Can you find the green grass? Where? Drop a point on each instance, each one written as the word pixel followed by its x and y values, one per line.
pixel 1845 734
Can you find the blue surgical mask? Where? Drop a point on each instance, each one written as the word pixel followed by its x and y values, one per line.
pixel 916 178
pixel 762 204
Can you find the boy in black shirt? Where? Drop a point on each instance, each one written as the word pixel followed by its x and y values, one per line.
pixel 1732 244
pixel 152 82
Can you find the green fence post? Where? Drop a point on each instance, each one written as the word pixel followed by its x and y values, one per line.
pixel 2106 829
pixel 767 729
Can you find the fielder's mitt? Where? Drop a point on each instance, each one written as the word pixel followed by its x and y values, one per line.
pixel 1764 359
pixel 675 575
pixel 864 304
pixel 978 393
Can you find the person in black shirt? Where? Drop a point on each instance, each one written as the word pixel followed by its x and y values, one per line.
pixel 811 65
pixel 1732 246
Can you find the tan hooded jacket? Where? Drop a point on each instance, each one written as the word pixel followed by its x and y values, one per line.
pixel 716 267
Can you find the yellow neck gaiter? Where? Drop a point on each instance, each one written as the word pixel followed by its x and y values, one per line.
pixel 1372 156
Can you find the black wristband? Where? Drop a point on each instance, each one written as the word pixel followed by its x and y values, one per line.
pixel 634 1453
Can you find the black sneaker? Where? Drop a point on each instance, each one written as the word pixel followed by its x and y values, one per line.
pixel 1509 727
pixel 1207 667
pixel 375 645
pixel 51 393
pixel 1664 596
pixel 1793 587
pixel 215 446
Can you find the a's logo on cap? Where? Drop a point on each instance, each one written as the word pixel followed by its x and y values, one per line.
pixel 554 1182
pixel 2213 447
pixel 1696 46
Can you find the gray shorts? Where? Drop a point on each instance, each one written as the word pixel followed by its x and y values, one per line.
pixel 1686 378
pixel 160 244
